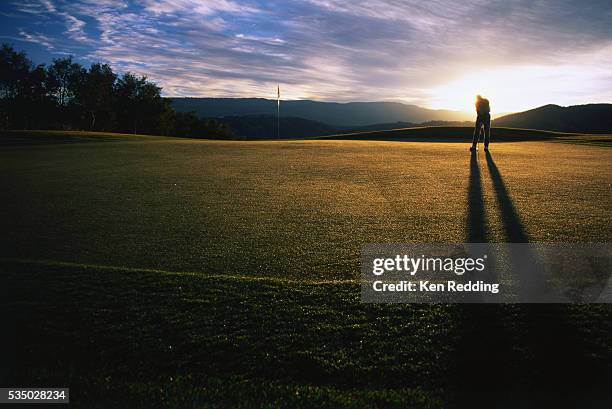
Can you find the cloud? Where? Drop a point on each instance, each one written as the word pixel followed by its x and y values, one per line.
pixel 266 40
pixel 35 6
pixel 37 38
pixel 75 28
pixel 47 9
pixel 202 8
pixel 334 49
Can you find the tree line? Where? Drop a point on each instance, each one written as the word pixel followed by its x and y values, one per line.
pixel 67 96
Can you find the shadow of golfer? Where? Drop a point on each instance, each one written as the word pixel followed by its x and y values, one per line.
pixel 482 340
pixel 484 358
pixel 515 231
pixel 520 355
pixel 476 219
pixel 525 263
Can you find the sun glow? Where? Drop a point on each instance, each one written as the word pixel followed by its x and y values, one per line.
pixel 513 89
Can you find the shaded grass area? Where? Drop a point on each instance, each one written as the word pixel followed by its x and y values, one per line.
pixel 416 134
pixel 29 137
pixel 268 235
pixel 464 134
pixel 160 339
pixel 230 341
pixel 597 140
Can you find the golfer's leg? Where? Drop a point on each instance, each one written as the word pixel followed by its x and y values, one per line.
pixel 487 129
pixel 476 135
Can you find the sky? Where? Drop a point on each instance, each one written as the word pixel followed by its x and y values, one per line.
pixel 436 54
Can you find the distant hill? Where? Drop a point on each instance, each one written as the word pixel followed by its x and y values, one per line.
pixel 256 117
pixel 265 126
pixel 402 125
pixel 351 114
pixel 590 118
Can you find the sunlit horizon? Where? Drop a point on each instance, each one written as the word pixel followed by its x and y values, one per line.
pixel 515 89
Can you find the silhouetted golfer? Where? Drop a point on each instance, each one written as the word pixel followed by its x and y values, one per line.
pixel 483 119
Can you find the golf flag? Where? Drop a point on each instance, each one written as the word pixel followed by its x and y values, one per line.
pixel 278 111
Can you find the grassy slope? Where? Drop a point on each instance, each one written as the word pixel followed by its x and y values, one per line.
pixel 18 137
pixel 456 134
pixel 267 227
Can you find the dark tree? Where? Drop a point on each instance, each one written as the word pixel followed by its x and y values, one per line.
pixel 95 95
pixel 64 80
pixel 14 76
pixel 141 108
pixel 35 101
pixel 67 96
pixel 190 126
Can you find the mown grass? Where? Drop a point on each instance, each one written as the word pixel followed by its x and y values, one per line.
pixel 155 339
pixel 186 273
pixel 29 137
pixel 464 134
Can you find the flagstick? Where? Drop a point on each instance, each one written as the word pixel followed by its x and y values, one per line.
pixel 278 113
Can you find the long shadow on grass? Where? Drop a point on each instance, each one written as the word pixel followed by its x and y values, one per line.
pixel 482 340
pixel 515 231
pixel 559 362
pixel 525 355
pixel 476 221
pixel 531 286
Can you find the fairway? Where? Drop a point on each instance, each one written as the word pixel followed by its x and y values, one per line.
pixel 239 262
pixel 300 209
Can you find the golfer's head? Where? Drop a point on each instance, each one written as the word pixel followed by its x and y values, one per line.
pixel 478 97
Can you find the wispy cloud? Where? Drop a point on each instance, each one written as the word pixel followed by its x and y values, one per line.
pixel 259 39
pixel 202 8
pixel 37 38
pixel 75 28
pixel 34 7
pixel 339 50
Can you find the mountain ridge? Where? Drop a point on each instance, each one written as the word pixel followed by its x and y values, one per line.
pixel 586 118
pixel 257 116
pixel 339 114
